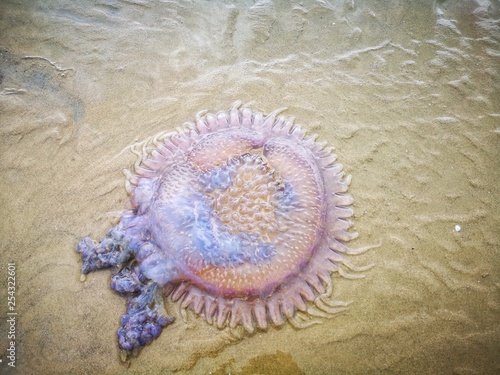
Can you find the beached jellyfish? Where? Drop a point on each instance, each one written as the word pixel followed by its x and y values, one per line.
pixel 239 217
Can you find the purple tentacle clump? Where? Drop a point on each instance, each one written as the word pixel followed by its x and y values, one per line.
pixel 143 321
pixel 112 251
pixel 145 317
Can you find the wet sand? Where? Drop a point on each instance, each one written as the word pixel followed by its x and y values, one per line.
pixel 408 95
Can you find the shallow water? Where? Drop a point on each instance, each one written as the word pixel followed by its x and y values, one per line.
pixel 408 95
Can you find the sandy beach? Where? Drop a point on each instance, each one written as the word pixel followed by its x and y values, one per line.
pixel 407 93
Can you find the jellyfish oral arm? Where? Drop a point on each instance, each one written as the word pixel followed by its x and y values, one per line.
pixel 112 251
pixel 145 317
pixel 144 320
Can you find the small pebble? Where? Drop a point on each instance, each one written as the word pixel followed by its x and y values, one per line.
pixel 458 228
